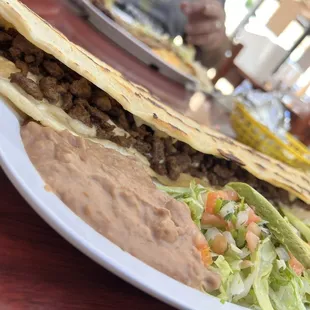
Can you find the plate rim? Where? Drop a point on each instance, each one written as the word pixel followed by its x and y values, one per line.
pixel 94 12
pixel 169 291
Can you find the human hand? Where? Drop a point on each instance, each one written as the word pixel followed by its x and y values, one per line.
pixel 206 23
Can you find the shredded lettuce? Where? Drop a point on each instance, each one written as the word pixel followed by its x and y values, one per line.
pixel 248 284
pixel 224 268
pixel 235 265
pixel 233 283
pixel 281 264
pixel 297 223
pixel 240 236
pixel 228 210
pixel 287 290
pixel 226 277
pixel 237 285
pixel 233 252
pixel 306 282
pixel 263 260
pixel 192 196
pixel 261 280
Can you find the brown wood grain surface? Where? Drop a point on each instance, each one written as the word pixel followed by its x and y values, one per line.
pixel 40 270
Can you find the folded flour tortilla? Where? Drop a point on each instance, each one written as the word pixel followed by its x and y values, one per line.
pixel 134 99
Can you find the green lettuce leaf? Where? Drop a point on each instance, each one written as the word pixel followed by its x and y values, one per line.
pixel 282 230
pixel 297 223
pixel 287 290
pixel 192 196
pixel 226 277
pixel 232 278
pixel 263 260
pixel 269 284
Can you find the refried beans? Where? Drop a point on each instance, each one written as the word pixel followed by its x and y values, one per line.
pixel 114 195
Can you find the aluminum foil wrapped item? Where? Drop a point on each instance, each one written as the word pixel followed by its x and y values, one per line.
pixel 266 108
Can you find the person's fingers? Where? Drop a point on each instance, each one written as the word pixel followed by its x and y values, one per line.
pixel 205 27
pixel 183 6
pixel 211 41
pixel 206 8
pixel 190 8
pixel 205 23
pixel 214 9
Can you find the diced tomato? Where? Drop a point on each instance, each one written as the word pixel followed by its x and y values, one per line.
pixel 254 228
pixel 206 255
pixel 296 265
pixel 253 218
pixel 252 241
pixel 231 195
pixel 230 226
pixel 202 245
pixel 212 220
pixel 211 201
pixel 219 244
pixel 199 240
pixel 213 196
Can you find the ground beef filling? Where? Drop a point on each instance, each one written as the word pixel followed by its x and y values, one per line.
pixel 92 106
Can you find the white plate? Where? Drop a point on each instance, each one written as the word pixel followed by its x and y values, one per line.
pixel 28 182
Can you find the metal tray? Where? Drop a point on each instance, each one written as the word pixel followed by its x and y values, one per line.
pixel 131 44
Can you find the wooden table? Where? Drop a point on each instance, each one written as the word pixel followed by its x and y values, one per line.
pixel 39 269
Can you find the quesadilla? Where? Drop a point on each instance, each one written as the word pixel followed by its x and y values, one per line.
pixel 63 87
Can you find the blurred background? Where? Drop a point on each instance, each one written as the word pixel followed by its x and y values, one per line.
pixel 271 40
pixel 275 39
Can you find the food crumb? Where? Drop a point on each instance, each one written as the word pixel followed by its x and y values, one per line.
pixel 48 188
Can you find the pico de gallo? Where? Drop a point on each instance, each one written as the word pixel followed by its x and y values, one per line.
pixel 257 268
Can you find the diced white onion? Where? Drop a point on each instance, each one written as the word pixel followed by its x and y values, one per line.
pixel 281 264
pixel 245 252
pixel 237 285
pixel 242 218
pixel 228 209
pixel 236 250
pixel 212 233
pixel 230 239
pixel 282 254
pixel 265 231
